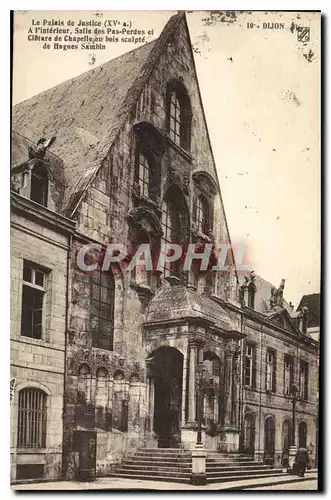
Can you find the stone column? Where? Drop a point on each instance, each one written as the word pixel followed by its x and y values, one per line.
pixel 185 368
pixel 229 433
pixel 151 398
pixel 192 384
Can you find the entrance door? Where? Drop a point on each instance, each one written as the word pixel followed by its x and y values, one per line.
pixel 168 366
pixel 249 434
pixel 302 431
pixel 286 436
pixel 269 440
pixel 85 443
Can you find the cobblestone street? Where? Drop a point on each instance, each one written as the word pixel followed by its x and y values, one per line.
pixel 107 483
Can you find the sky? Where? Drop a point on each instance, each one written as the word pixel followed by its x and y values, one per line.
pixel 260 88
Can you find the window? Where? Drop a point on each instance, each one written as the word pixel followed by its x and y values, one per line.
pixel 271 371
pixel 32 301
pixel 102 313
pixel 202 214
pixel 143 175
pixel 288 374
pixel 39 185
pixel 179 114
pixel 31 418
pixel 249 369
pixel 303 380
pixel 170 227
pixel 251 295
pixel 174 129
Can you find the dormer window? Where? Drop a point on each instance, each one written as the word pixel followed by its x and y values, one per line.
pixel 39 185
pixel 179 114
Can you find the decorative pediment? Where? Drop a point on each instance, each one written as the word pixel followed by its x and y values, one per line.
pixel 283 319
pixel 205 182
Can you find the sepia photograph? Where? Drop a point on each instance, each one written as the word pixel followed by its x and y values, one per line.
pixel 165 248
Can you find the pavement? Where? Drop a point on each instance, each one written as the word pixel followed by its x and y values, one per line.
pixel 290 482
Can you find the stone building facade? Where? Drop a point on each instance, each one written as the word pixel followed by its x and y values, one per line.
pixel 40 242
pixel 135 166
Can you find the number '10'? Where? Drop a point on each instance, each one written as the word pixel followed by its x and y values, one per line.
pixel 250 25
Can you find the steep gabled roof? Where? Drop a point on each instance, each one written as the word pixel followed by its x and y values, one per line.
pixel 86 113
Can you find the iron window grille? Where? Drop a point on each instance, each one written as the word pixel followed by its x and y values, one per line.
pixel 31 418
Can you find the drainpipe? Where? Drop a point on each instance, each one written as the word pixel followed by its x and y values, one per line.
pixel 260 388
pixel 241 399
pixel 64 410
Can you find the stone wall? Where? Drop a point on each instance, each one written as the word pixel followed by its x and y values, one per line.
pixel 39 363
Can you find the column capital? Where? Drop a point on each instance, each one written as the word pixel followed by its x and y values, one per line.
pixel 196 342
pixel 232 348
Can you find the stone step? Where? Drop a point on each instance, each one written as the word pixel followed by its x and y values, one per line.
pixel 149 477
pixel 221 468
pixel 159 457
pixel 166 468
pixel 229 478
pixel 238 473
pixel 179 462
pixel 163 453
pixel 153 472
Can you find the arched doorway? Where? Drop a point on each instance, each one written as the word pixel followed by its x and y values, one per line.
pixel 269 439
pixel 168 377
pixel 302 431
pixel 286 441
pixel 249 434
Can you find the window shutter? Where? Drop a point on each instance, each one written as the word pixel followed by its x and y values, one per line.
pixel 254 368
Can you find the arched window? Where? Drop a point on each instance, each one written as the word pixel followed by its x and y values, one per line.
pixel 171 233
pixel 31 418
pixel 102 308
pixel 179 114
pixel 202 215
pixel 39 185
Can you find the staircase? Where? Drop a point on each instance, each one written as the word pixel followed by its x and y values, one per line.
pixel 157 464
pixel 175 465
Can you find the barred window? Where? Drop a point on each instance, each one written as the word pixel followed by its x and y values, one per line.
pixel 31 418
pixel 102 314
pixel 32 301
